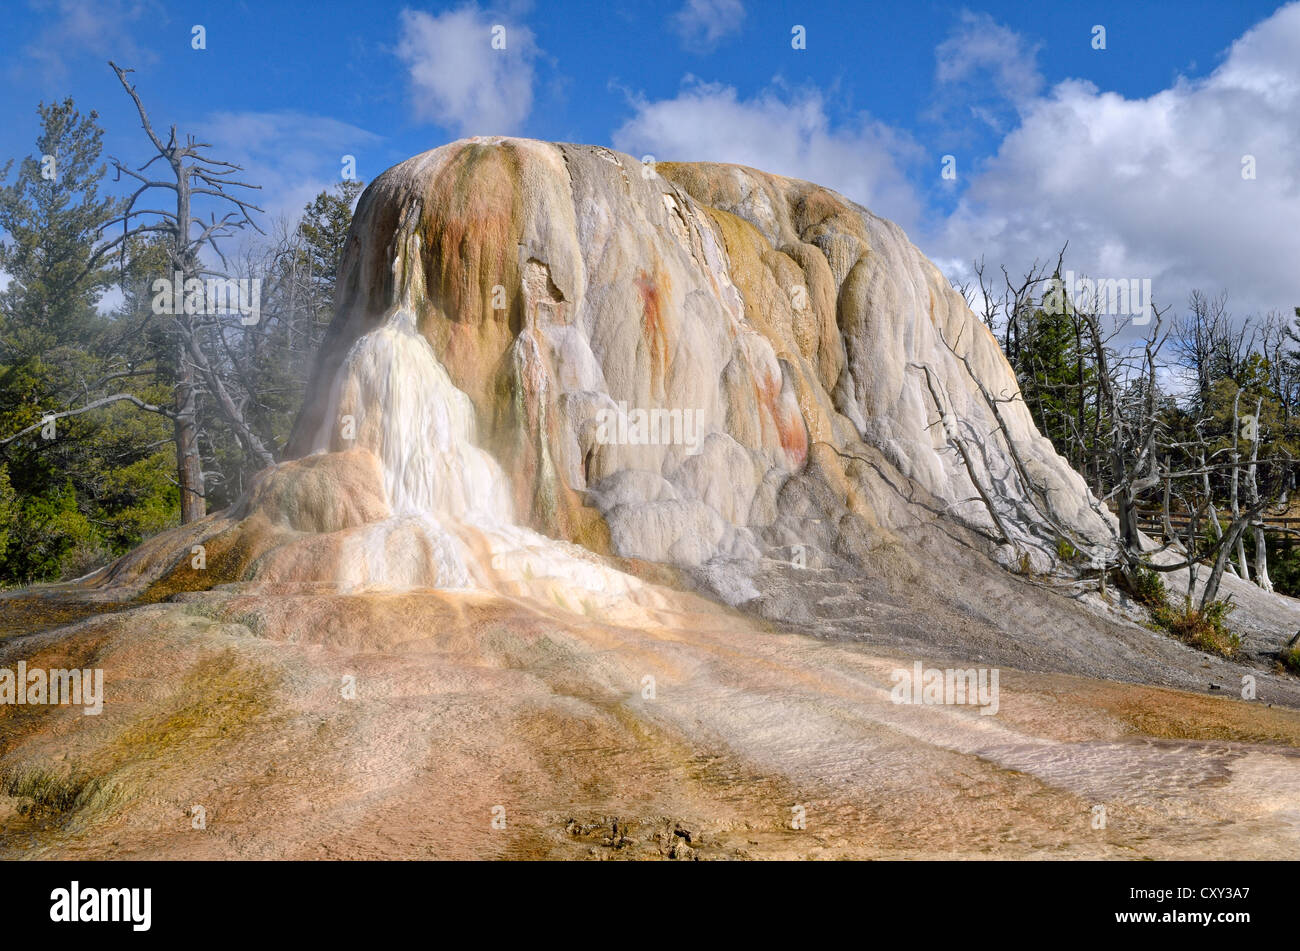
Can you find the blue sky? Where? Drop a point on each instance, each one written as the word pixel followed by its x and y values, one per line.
pixel 1133 153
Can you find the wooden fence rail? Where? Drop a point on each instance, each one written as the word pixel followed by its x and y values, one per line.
pixel 1149 520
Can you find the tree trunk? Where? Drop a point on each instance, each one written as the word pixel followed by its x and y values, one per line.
pixel 1243 569
pixel 1261 560
pixel 1126 509
pixel 189 467
pixel 1211 591
pixel 194 174
pixel 1166 528
pixel 1193 532
pixel 1261 547
pixel 1215 528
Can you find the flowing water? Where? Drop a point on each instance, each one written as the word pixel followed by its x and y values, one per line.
pixel 453 523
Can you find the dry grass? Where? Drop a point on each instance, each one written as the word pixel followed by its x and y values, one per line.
pixel 1205 630
pixel 220 697
pixel 50 795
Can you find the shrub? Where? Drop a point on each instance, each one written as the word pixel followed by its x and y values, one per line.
pixel 1148 589
pixel 44 530
pixel 1204 630
pixel 86 555
pixel 7 509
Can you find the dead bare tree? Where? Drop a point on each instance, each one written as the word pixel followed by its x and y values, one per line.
pixel 194 327
pixel 1011 303
pixel 1132 445
pixel 1208 343
pixel 1252 489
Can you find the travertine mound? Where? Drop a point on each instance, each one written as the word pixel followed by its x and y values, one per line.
pixel 695 364
pixel 701 365
pixel 690 363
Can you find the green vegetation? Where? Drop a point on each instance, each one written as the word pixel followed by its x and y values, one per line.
pixel 79 488
pixel 88 371
pixel 1148 589
pixel 1205 630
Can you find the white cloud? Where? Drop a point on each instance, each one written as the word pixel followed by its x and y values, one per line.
pixel 292 155
pixel 1146 188
pixel 779 131
pixel 78 28
pixel 458 80
pixel 702 24
pixel 986 71
pixel 1153 188
pixel 979 46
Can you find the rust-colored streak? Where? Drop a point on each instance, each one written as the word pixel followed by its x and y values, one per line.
pixel 653 325
pixel 790 431
pixel 470 217
pixel 794 437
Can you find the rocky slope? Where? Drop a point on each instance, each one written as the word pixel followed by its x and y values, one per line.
pixel 620 494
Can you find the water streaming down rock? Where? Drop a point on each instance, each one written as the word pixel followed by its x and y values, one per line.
pixel 452 523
